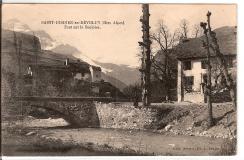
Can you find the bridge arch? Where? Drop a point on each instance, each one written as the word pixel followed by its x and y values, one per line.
pixel 78 114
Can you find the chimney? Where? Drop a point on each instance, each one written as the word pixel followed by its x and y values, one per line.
pixel 66 62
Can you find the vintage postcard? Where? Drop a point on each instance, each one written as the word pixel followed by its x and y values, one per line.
pixel 119 79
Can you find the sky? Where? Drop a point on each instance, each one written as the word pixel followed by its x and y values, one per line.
pixel 113 43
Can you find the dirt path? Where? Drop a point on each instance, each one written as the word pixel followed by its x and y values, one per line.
pixel 141 142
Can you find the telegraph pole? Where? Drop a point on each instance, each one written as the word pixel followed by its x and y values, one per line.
pixel 146 56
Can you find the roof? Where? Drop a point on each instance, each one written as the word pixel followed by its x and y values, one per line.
pixel 79 66
pixel 48 67
pixel 193 48
pixel 96 68
pixel 73 67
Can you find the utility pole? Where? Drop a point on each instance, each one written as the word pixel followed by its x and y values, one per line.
pixel 208 90
pixel 146 56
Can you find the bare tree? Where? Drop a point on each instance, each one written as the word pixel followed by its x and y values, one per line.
pixel 162 68
pixel 208 88
pixel 133 92
pixel 196 31
pixel 184 27
pixel 215 47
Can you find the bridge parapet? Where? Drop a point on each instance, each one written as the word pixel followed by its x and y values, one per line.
pixel 78 111
pixel 97 111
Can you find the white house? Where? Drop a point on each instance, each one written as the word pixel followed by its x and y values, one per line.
pixel 192 68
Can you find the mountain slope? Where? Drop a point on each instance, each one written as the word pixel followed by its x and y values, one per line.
pixel 114 81
pixel 118 75
pixel 65 49
pixel 126 74
pixel 47 42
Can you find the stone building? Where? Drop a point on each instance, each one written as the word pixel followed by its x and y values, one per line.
pixel 95 73
pixel 192 68
pixel 29 70
pixel 80 70
pixel 74 75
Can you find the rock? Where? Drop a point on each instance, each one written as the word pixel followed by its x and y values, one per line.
pixel 189 128
pixel 172 145
pixel 168 127
pixel 161 131
pixel 48 138
pixel 54 138
pixel 30 117
pixel 197 133
pixel 204 133
pixel 43 136
pixel 30 133
pixel 191 134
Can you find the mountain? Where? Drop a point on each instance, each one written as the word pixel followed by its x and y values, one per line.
pixel 65 49
pixel 124 73
pixel 117 75
pixel 114 81
pixel 47 42
pixel 16 25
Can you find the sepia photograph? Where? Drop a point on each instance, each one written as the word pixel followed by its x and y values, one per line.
pixel 151 79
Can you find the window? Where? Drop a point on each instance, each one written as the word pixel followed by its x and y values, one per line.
pixel 204 78
pixel 187 65
pixel 204 64
pixel 189 82
pixel 28 79
pixel 29 71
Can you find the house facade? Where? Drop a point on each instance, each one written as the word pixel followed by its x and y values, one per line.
pixel 192 77
pixel 80 70
pixel 73 76
pixel 95 73
pixel 192 65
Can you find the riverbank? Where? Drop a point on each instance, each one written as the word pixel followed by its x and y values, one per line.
pixel 180 132
pixel 66 141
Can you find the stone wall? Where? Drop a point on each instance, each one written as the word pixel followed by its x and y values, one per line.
pixel 195 97
pixel 126 116
pixel 103 115
pixel 78 114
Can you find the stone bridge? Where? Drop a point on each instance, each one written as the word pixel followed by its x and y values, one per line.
pixel 79 111
pixel 102 112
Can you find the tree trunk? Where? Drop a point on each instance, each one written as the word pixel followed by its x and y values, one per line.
pixel 146 60
pixel 208 90
pixel 167 79
pixel 230 84
pixel 18 48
